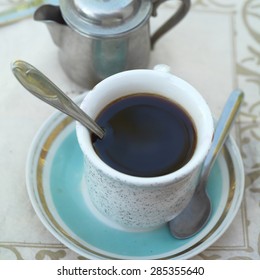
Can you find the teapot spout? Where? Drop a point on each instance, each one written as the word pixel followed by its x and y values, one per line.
pixel 51 15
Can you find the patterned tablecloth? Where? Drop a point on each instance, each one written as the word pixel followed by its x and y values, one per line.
pixel 216 48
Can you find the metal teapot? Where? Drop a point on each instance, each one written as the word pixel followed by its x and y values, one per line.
pixel 98 38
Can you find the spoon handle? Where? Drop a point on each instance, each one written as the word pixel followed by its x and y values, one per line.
pixel 40 86
pixel 223 127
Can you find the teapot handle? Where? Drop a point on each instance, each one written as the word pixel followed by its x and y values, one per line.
pixel 172 21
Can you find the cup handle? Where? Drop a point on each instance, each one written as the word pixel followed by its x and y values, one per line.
pixel 172 21
pixel 162 68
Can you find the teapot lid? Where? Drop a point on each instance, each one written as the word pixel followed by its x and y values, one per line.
pixel 105 17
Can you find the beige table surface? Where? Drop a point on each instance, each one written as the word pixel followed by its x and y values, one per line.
pixel 216 48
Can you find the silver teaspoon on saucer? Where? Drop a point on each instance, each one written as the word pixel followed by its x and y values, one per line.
pixel 40 86
pixel 196 214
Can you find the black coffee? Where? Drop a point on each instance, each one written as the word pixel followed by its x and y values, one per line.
pixel 145 135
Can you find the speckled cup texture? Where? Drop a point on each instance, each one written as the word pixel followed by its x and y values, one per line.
pixel 139 203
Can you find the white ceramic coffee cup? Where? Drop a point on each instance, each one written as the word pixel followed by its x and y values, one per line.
pixel 141 203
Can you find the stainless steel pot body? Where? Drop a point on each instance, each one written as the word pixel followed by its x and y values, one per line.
pixel 88 60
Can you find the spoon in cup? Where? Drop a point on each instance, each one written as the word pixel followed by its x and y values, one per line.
pixel 40 86
pixel 195 216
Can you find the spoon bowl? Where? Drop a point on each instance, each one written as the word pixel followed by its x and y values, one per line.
pixel 194 217
pixel 40 86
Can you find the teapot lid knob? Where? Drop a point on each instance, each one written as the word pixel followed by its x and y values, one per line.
pixel 105 17
pixel 106 12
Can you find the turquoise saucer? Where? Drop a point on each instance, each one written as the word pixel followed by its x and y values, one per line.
pixel 54 175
